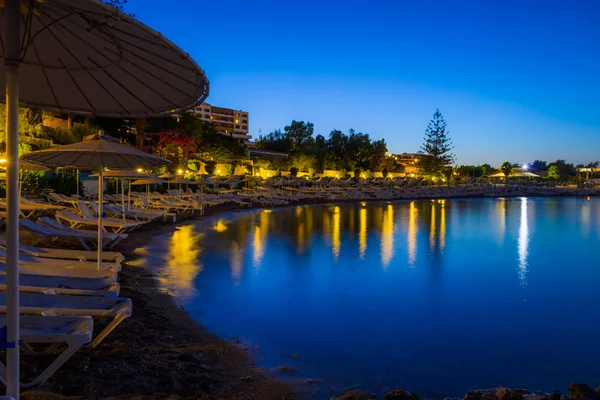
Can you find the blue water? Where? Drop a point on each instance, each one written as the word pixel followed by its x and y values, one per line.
pixel 437 297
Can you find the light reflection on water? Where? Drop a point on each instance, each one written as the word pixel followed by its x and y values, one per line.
pixel 421 295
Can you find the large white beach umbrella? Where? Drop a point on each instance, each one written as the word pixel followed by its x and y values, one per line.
pixel 81 57
pixel 96 151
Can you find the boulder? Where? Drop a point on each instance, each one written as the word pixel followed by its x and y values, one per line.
pixel 356 395
pixel 400 395
pixel 580 391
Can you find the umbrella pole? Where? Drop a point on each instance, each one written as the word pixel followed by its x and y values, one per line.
pixel 123 197
pixel 11 36
pixel 77 184
pixel 129 196
pixel 100 189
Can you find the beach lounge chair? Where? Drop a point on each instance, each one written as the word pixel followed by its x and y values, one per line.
pixel 74 306
pixel 60 199
pixel 118 225
pixel 48 228
pixel 74 331
pixel 64 285
pixel 65 254
pixel 41 269
pixel 29 260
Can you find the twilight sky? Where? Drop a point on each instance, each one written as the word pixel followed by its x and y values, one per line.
pixel 515 80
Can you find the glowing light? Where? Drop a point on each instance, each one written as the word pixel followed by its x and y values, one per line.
pixel 268 174
pixel 387 236
pixel 335 234
pixel 432 230
pixel 443 225
pixel 412 175
pixel 362 176
pixel 2 160
pixel 412 234
pixel 218 171
pixel 337 176
pixel 182 266
pixel 139 170
pixel 523 243
pixel 525 167
pixel 187 171
pixel 236 262
pixel 220 226
pixel 180 171
pixel 362 233
pixel 257 174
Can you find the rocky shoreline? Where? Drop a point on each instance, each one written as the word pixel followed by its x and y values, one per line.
pixel 577 391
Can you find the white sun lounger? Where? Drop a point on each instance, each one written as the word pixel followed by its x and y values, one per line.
pixel 54 305
pixel 74 331
pixel 52 228
pixel 65 254
pixel 35 269
pixel 75 221
pixel 27 259
pixel 64 285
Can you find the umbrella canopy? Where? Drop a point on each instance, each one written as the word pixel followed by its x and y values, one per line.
pixel 86 57
pixel 94 151
pixel 30 166
pixel 167 175
pixel 149 180
pixel 122 173
pixel 182 181
pixel 515 174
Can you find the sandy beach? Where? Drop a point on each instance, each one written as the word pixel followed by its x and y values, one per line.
pixel 161 352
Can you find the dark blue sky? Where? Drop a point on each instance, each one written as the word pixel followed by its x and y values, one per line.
pixel 516 80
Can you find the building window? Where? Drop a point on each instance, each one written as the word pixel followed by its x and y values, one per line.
pixel 244 121
pixel 237 127
pixel 245 127
pixel 237 115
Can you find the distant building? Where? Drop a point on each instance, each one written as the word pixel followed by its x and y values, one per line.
pixel 406 158
pixel 229 122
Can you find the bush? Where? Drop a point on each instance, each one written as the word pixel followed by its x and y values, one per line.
pixel 210 167
pixel 294 172
pixel 357 173
pixel 385 172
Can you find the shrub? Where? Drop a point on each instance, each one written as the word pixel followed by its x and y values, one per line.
pixel 210 167
pixel 294 172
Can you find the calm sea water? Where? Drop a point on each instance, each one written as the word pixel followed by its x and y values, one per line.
pixel 438 297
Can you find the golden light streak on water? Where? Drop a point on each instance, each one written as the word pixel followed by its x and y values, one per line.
pixel 442 225
pixel 220 226
pixel 182 265
pixel 236 262
pixel 432 229
pixel 261 234
pixel 335 234
pixel 387 236
pixel 523 243
pixel 412 234
pixel 362 233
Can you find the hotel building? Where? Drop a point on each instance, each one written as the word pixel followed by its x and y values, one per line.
pixel 229 122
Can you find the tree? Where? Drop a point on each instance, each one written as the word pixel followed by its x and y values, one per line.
pixel 539 165
pixel 553 172
pixel 565 170
pixel 274 141
pixel 299 134
pixel 507 169
pixel 437 146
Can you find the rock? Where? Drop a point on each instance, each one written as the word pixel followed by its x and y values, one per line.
pixel 286 370
pixel 552 396
pixel 472 396
pixel 400 395
pixel 501 392
pixel 187 357
pixel 580 391
pixel 598 389
pixel 356 395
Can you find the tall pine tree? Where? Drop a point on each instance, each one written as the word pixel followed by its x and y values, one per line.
pixel 437 147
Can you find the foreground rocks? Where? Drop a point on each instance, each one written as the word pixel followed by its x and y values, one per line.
pixel 577 391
